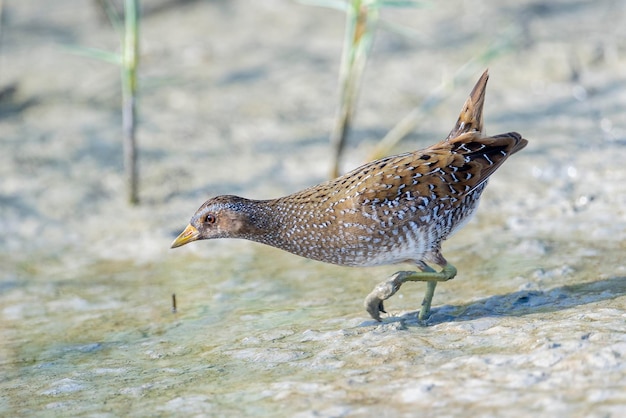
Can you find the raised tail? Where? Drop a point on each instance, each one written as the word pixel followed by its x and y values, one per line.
pixel 471 117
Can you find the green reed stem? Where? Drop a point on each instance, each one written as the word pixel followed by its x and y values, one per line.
pixel 130 62
pixel 360 27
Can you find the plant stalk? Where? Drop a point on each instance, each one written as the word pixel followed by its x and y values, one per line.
pixel 130 61
pixel 360 22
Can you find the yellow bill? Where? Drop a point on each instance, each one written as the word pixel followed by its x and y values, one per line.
pixel 188 235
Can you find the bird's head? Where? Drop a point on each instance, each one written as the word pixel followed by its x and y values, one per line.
pixel 219 217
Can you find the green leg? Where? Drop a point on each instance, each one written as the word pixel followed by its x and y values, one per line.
pixel 384 290
pixel 428 298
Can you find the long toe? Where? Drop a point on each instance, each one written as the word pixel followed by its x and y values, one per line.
pixel 374 307
pixel 381 307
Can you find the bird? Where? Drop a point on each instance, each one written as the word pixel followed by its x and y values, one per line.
pixel 397 209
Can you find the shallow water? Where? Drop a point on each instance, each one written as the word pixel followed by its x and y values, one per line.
pixel 292 334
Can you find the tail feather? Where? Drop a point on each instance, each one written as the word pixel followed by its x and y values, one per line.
pixel 519 142
pixel 471 117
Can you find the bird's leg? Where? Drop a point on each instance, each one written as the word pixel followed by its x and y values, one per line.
pixel 428 298
pixel 384 290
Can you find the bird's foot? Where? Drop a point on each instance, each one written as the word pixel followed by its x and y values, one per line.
pixel 384 290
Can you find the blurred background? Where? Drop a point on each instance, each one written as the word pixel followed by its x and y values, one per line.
pixel 241 97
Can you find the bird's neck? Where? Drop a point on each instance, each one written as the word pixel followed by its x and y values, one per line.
pixel 272 223
pixel 263 221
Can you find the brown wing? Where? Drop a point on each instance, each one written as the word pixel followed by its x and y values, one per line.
pixel 473 158
pixel 452 168
pixel 446 171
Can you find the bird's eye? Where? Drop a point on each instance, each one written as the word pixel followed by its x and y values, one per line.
pixel 210 219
